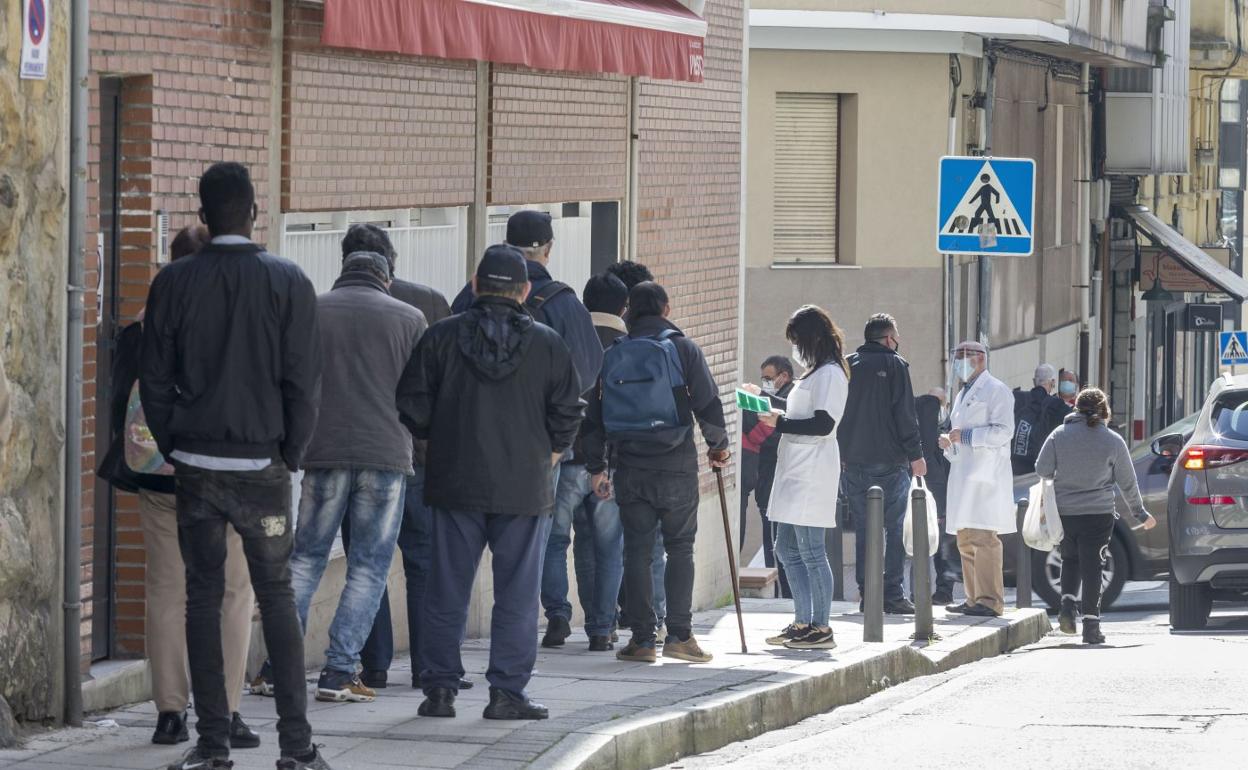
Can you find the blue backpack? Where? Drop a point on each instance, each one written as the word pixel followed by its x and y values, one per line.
pixel 640 379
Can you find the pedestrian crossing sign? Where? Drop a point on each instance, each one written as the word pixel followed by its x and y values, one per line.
pixel 986 206
pixel 1233 347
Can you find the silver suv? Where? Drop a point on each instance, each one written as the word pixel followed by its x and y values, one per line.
pixel 1207 502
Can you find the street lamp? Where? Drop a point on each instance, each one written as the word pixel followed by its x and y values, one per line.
pixel 1158 293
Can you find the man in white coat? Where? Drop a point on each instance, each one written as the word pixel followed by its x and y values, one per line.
pixel 981 482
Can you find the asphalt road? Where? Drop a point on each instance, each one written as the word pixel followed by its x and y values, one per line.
pixel 1147 699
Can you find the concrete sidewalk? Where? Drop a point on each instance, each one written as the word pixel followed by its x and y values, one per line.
pixel 604 713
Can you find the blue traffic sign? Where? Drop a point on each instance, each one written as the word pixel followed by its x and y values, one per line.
pixel 1233 348
pixel 986 206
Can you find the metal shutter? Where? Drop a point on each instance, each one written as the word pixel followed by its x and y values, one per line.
pixel 807 153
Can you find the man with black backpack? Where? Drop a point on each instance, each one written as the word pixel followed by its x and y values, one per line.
pixel 1037 413
pixel 655 381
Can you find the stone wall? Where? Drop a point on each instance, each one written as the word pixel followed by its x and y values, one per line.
pixel 34 118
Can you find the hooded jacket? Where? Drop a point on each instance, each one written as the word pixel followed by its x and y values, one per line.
pixel 495 394
pixel 367 339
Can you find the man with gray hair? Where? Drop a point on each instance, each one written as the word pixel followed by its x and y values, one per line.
pixel 1037 413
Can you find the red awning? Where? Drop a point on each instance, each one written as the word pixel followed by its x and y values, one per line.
pixel 653 38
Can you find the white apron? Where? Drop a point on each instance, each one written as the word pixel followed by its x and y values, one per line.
pixel 808 468
pixel 981 478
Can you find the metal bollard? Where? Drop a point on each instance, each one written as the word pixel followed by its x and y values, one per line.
pixel 1022 570
pixel 922 566
pixel 873 568
pixel 837 551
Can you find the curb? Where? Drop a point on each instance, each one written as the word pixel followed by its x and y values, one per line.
pixel 783 699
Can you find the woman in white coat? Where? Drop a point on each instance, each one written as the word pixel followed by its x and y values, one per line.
pixel 981 479
pixel 808 474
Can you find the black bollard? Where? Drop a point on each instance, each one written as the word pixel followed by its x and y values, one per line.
pixel 873 569
pixel 1022 570
pixel 836 551
pixel 922 561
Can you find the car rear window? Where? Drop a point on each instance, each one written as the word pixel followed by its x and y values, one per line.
pixel 1230 415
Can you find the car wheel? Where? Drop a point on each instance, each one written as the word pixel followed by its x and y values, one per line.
pixel 1189 605
pixel 1046 575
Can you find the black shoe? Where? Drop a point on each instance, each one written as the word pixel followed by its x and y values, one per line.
pixel 980 611
pixel 506 705
pixel 557 632
pixel 1066 617
pixel 439 702
pixel 898 607
pixel 600 644
pixel 194 760
pixel 375 678
pixel 242 736
pixel 171 728
pixel 313 761
pixel 465 684
pixel 1092 631
pixel 956 609
pixel 942 596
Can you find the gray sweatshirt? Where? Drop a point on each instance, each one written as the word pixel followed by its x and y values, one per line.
pixel 1085 463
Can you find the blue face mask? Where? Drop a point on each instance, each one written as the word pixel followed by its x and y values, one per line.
pixel 1066 388
pixel 963 368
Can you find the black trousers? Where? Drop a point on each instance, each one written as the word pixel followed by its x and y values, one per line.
pixel 1084 549
pixel 257 504
pixel 653 501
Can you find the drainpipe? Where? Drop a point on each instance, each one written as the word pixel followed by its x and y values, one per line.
pixel 634 161
pixel 72 545
pixel 1085 247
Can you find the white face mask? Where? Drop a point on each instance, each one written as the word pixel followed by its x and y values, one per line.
pixel 769 386
pixel 963 368
pixel 797 356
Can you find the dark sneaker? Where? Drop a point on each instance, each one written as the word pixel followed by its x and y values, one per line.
pixel 956 609
pixel 439 702
pixel 941 597
pixel 341 687
pixel 901 606
pixel 194 760
pixel 509 705
pixel 638 652
pixel 815 638
pixel 242 736
pixel 557 632
pixel 1066 616
pixel 600 644
pixel 1092 631
pixel 687 650
pixel 980 611
pixel 312 761
pixel 791 632
pixel 263 683
pixel 375 679
pixel 171 728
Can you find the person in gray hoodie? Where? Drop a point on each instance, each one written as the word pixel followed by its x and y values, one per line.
pixel 1086 460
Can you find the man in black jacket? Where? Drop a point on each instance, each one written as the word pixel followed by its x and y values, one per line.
pixel 880 444
pixel 656 485
pixel 760 445
pixel 1037 413
pixel 230 381
pixel 498 398
pixel 927 408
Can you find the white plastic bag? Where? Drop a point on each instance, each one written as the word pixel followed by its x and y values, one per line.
pixel 933 523
pixel 1042 526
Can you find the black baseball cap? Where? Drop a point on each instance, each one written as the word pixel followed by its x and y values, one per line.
pixel 529 229
pixel 503 263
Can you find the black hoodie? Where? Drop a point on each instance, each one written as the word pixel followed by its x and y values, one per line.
pixel 495 394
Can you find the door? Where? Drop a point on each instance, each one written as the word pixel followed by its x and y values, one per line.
pixel 104 529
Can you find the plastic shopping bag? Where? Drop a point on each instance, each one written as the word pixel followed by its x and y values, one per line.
pixel 1042 526
pixel 933 523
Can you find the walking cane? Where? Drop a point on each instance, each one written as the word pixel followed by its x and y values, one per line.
pixel 732 557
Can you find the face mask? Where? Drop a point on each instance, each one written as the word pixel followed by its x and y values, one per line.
pixel 797 356
pixel 963 368
pixel 769 386
pixel 1067 388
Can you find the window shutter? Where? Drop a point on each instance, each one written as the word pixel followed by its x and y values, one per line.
pixel 807 139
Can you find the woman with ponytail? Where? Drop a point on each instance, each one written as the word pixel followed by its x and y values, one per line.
pixel 1086 460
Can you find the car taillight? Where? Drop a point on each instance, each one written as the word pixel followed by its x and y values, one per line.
pixel 1198 458
pixel 1215 500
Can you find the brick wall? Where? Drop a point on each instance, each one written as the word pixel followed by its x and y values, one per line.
pixel 557 137
pixel 372 132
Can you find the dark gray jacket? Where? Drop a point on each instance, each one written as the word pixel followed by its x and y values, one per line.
pixel 367 339
pixel 879 426
pixel 1085 464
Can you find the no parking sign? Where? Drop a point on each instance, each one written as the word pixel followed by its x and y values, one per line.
pixel 35 24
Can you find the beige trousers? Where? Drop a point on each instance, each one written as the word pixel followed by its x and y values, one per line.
pixel 981 568
pixel 166 607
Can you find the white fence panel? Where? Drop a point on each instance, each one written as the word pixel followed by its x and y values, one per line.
pixel 570 256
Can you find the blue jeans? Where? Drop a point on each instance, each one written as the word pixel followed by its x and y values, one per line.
pixel 895 481
pixel 373 501
pixel 571 485
pixel 805 558
pixel 517 544
pixel 597 552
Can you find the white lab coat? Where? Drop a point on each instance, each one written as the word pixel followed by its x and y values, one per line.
pixel 981 479
pixel 808 468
